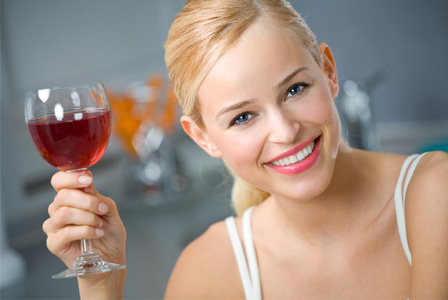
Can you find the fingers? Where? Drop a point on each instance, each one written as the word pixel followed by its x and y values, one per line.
pixel 73 206
pixel 75 189
pixel 73 223
pixel 54 225
pixel 78 199
pixel 69 225
pixel 71 180
pixel 65 216
pixel 61 240
pixel 77 212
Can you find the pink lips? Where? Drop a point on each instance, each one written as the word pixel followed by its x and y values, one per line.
pixel 300 166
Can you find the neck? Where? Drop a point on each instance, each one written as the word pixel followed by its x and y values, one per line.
pixel 333 213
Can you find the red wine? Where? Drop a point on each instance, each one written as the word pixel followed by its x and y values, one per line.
pixel 77 141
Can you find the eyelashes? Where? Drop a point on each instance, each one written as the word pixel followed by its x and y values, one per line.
pixel 244 118
pixel 296 89
pixel 241 119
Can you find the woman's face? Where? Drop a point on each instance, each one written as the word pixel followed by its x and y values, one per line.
pixel 268 110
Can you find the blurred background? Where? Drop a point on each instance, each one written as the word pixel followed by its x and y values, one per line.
pixel 393 71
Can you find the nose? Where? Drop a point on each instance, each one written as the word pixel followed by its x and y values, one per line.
pixel 282 127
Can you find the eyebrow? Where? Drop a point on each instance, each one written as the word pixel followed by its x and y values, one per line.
pixel 291 76
pixel 242 104
pixel 235 106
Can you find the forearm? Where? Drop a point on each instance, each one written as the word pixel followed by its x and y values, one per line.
pixel 110 287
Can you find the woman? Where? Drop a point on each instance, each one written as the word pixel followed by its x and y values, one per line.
pixel 321 219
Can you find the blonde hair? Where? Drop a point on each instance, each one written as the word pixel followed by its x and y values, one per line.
pixel 201 33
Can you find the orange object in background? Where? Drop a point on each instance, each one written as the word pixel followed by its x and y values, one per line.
pixel 138 108
pixel 169 116
pixel 124 123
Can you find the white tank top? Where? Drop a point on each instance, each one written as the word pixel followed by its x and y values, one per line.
pixel 249 270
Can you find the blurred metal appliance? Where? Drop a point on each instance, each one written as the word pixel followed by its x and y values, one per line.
pixel 355 110
pixel 146 121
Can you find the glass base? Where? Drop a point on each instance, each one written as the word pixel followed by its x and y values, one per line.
pixel 90 263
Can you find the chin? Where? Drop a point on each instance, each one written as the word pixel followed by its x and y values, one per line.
pixel 310 186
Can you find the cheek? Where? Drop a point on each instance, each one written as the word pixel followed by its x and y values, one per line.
pixel 336 134
pixel 324 113
pixel 321 109
pixel 240 149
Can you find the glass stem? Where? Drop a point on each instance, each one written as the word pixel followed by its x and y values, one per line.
pixel 86 247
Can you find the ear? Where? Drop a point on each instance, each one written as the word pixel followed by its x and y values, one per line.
pixel 200 136
pixel 329 68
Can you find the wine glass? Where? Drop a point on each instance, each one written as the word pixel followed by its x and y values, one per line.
pixel 70 127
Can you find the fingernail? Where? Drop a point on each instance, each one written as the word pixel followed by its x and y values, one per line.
pixel 100 223
pixel 103 208
pixel 85 179
pixel 99 232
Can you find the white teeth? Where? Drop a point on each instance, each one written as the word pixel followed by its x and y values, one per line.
pixel 310 148
pixel 305 151
pixel 293 159
pixel 299 156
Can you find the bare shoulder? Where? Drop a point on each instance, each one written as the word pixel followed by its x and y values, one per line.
pixel 207 268
pixel 428 188
pixel 427 226
pixel 431 176
pixel 435 159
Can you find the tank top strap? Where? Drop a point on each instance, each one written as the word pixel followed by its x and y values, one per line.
pixel 400 198
pixel 250 253
pixel 249 275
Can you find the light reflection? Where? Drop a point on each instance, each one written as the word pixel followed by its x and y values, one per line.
pixel 75 98
pixel 78 116
pixel 59 112
pixel 43 94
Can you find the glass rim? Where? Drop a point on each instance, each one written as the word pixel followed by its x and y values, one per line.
pixel 68 87
pixel 43 94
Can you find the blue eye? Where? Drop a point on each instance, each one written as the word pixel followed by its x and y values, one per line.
pixel 296 89
pixel 241 119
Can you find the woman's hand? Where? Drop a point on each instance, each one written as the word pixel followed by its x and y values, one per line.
pixel 80 212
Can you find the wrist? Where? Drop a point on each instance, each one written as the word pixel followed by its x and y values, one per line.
pixel 110 286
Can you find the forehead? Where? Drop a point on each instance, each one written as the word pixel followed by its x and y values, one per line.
pixel 262 57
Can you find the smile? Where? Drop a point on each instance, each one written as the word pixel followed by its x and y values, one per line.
pixel 297 161
pixel 299 156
